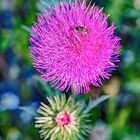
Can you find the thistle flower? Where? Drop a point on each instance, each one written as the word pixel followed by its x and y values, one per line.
pixel 62 119
pixel 72 46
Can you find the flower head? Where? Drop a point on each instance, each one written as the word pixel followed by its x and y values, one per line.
pixel 72 46
pixel 62 119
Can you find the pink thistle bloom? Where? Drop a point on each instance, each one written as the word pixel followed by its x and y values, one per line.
pixel 72 46
pixel 63 119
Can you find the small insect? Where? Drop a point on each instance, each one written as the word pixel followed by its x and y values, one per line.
pixel 81 29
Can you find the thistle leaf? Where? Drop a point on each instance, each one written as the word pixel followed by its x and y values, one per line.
pixel 94 103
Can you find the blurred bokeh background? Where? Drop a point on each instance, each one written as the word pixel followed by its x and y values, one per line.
pixel 116 119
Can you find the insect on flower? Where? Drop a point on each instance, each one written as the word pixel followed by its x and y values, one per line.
pixel 81 29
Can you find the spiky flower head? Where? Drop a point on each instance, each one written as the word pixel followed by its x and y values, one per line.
pixel 72 46
pixel 62 119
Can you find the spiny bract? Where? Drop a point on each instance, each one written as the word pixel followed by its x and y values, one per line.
pixel 62 119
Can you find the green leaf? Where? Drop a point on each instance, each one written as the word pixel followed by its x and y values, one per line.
pixel 94 103
pixel 28 109
pixel 28 29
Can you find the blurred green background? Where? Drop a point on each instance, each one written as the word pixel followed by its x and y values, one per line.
pixel 115 119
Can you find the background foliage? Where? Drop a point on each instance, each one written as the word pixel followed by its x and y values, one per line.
pixel 116 119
